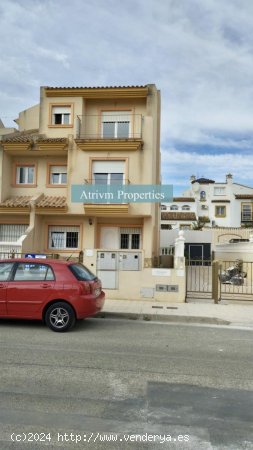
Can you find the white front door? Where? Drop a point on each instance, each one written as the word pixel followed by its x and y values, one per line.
pixel 109 238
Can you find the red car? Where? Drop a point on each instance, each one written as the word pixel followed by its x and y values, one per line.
pixel 57 292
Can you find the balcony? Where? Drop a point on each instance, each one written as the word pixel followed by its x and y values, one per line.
pixel 107 208
pixel 110 130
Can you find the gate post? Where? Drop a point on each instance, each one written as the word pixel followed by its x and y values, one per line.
pixel 215 281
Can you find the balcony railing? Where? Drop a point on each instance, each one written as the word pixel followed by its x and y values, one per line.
pixel 110 127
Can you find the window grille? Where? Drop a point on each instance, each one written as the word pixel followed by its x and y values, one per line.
pixel 63 238
pixel 11 232
pixel 130 238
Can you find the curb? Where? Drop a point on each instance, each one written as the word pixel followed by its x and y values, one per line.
pixel 163 318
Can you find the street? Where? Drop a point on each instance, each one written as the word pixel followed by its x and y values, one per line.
pixel 125 384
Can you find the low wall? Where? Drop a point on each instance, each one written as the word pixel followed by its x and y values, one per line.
pixel 143 285
pixel 231 252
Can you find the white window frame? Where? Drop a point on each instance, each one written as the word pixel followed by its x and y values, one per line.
pixel 219 190
pixel 63 231
pixel 57 170
pixel 65 113
pixel 109 168
pixel 26 177
pixel 116 117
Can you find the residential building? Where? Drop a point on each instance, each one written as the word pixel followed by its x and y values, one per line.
pixel 101 135
pixel 178 214
pixel 226 204
pixel 222 208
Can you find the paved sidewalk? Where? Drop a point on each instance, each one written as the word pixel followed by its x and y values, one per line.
pixel 239 314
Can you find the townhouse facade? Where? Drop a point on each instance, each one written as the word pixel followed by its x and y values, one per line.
pixel 76 136
pixel 100 135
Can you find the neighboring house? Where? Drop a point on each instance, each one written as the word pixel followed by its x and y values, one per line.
pixel 226 204
pixel 180 213
pixel 102 135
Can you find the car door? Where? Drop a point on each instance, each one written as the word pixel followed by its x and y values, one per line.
pixel 5 272
pixel 32 285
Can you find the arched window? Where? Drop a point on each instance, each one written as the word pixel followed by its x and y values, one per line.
pixel 186 208
pixel 202 195
pixel 174 208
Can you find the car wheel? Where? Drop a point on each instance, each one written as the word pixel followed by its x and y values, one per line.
pixel 60 317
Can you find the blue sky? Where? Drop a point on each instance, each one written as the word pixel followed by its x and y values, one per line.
pixel 198 53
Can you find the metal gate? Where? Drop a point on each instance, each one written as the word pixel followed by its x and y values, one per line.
pixel 199 279
pixel 219 280
pixel 236 280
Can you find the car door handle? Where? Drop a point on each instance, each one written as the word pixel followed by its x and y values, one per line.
pixel 45 285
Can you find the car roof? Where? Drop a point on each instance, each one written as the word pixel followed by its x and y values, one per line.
pixel 39 260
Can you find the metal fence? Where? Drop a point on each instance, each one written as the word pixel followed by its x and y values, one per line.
pixel 11 255
pixel 236 280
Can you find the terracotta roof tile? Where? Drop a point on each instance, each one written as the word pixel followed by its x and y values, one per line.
pixel 183 199
pixel 178 216
pixel 31 138
pixel 22 201
pixel 244 196
pixel 94 87
pixel 52 202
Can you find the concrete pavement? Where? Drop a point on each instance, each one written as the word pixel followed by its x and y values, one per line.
pixel 238 314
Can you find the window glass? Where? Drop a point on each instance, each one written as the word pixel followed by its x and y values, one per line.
pixel 123 130
pixel 25 175
pixel 33 272
pixel 5 270
pixel 124 240
pixel 115 124
pixel 135 241
pixel 61 115
pixel 58 174
pixel 220 211
pixel 108 129
pixel 81 272
pixel 63 237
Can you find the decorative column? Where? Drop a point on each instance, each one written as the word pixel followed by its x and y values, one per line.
pixel 179 259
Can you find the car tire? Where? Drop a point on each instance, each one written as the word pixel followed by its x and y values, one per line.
pixel 60 317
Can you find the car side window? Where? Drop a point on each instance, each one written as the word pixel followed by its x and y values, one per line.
pixel 33 272
pixel 5 270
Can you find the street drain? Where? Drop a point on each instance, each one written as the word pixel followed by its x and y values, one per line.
pixel 172 307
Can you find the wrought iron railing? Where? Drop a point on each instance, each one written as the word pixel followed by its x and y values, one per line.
pixel 113 126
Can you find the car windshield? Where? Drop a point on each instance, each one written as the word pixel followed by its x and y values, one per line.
pixel 82 273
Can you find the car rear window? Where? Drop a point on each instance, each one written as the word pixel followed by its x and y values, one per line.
pixel 81 272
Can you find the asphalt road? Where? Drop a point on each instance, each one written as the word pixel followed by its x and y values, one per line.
pixel 124 384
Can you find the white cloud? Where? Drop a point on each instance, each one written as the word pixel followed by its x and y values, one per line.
pixel 200 54
pixel 178 166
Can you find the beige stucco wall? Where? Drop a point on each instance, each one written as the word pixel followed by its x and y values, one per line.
pixel 29 118
pixel 131 283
